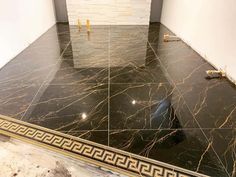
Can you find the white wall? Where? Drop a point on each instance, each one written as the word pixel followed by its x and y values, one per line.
pixel 21 23
pixel 109 12
pixel 209 27
pixel 156 7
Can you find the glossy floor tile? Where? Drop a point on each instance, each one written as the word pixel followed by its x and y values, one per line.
pixel 142 67
pixel 69 72
pixel 214 101
pixel 148 106
pixel 224 144
pixel 122 86
pixel 70 107
pixel 185 148
pixel 15 100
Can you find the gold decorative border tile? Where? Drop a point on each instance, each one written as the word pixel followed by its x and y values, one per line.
pixel 104 156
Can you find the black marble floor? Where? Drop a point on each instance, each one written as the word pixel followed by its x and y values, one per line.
pixel 124 87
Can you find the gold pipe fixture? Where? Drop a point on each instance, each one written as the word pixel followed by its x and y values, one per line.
pixel 221 72
pixel 79 25
pixel 168 38
pixel 88 26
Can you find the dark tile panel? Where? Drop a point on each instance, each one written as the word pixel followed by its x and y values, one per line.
pixel 28 68
pixel 33 64
pixel 59 34
pixel 188 69
pixel 137 74
pixel 147 114
pixel 68 53
pixel 14 101
pixel 100 136
pixel 137 65
pixel 98 33
pixel 20 75
pixel 148 106
pixel 63 33
pixel 156 36
pixel 182 63
pixel 224 143
pixel 213 104
pixel 71 72
pixel 90 51
pixel 90 48
pixel 185 148
pixel 154 33
pixel 125 32
pixel 70 107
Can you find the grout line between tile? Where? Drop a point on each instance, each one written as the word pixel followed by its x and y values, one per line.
pixel 188 108
pixel 161 129
pixel 43 83
pixel 109 88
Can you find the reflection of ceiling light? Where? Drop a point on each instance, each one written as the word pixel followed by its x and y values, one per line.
pixel 84 116
pixel 133 102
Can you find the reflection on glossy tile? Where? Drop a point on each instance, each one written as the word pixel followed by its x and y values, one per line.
pixel 185 148
pixel 182 63
pixel 90 51
pixel 15 100
pixel 100 136
pixel 212 104
pixel 137 34
pixel 29 71
pixel 144 68
pixel 128 45
pixel 153 106
pixel 63 33
pixel 154 33
pixel 70 107
pixel 224 143
pixel 33 64
pixel 123 86
pixel 68 73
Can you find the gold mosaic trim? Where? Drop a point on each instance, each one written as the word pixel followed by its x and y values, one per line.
pixel 104 156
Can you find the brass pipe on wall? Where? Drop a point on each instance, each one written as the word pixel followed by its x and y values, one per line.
pixel 168 38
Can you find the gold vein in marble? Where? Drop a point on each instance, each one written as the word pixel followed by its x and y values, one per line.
pixel 104 156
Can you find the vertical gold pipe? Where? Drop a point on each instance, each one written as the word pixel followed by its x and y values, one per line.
pixel 79 25
pixel 88 26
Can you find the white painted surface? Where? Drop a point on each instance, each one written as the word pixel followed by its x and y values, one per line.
pixel 61 10
pixel 156 8
pixel 21 23
pixel 109 12
pixel 207 26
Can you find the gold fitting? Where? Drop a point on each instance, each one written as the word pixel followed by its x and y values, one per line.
pixel 79 25
pixel 88 25
pixel 168 38
pixel 220 72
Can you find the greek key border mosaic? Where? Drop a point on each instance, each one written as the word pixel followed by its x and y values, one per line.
pixel 104 156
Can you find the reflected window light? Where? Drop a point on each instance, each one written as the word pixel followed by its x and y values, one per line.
pixel 84 116
pixel 133 102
